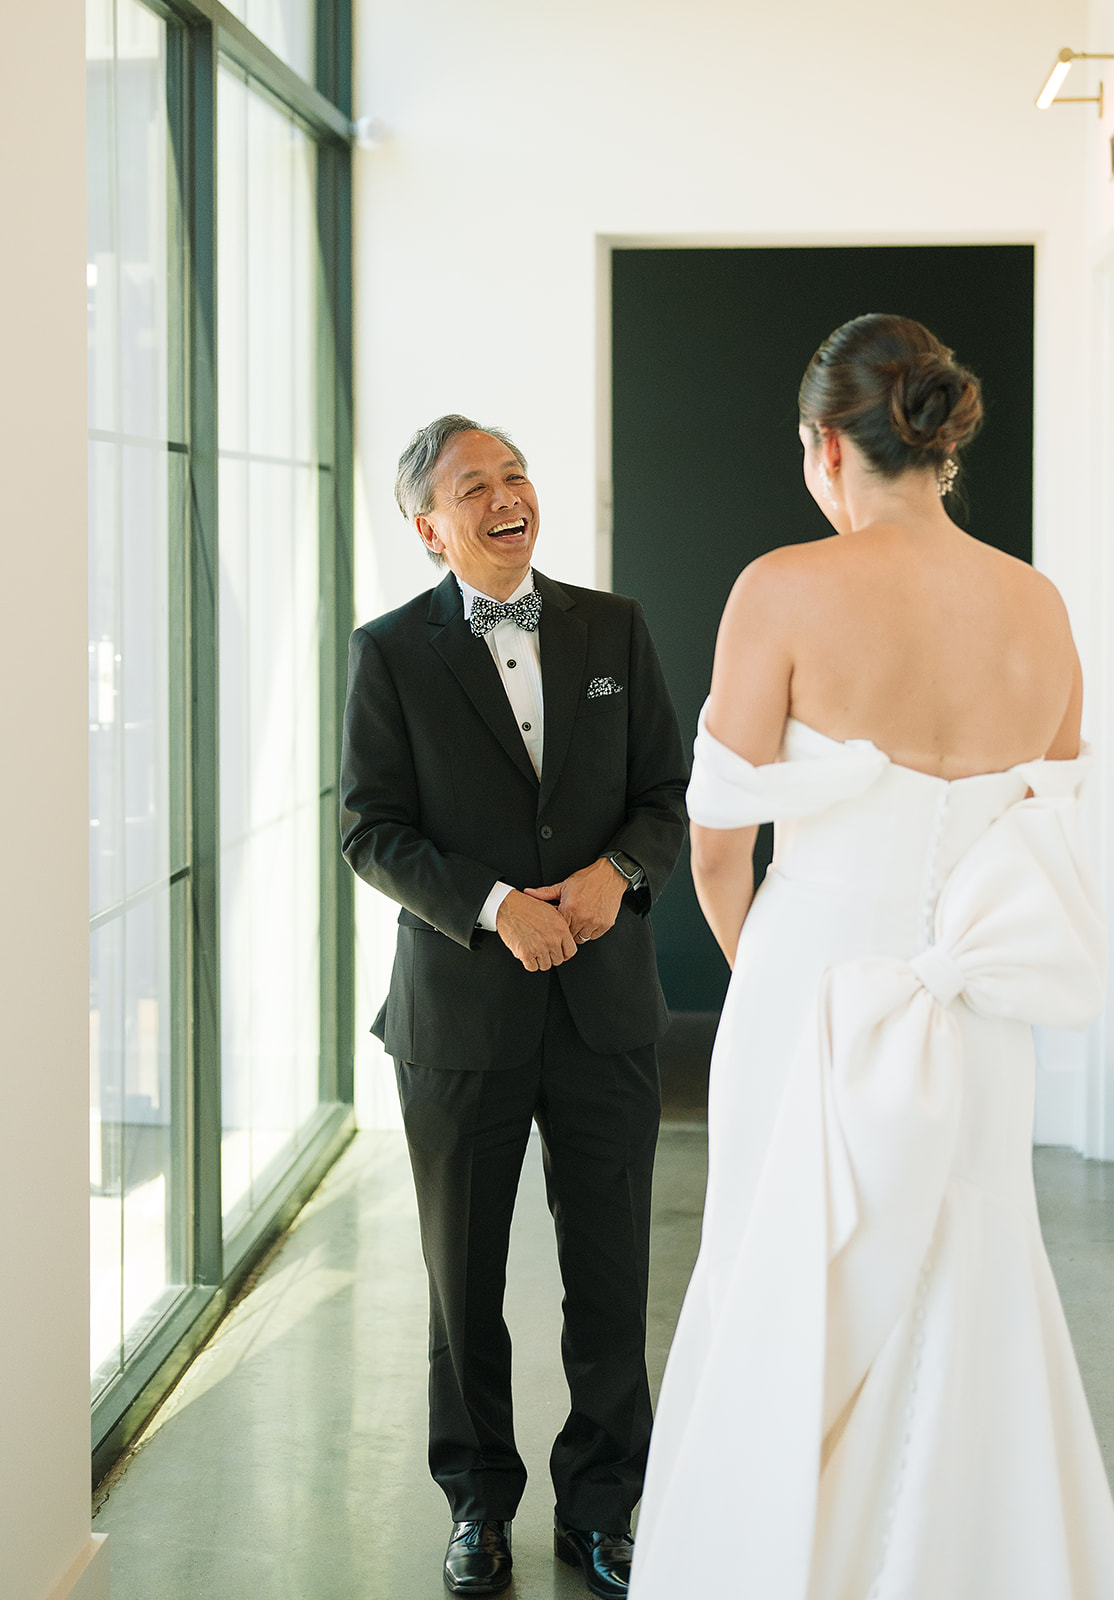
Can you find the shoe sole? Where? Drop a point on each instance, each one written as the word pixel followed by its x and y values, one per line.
pixel 478 1588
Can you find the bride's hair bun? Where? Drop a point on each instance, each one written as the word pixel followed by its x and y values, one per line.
pixel 934 403
pixel 894 390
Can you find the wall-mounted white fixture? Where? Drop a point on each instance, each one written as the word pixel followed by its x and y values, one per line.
pixel 1048 96
pixel 370 132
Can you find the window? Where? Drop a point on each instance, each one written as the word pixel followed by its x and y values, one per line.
pixel 269 640
pixel 137 486
pixel 220 921
pixel 284 26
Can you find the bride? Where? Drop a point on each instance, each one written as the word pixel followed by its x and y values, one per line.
pixel 872 1394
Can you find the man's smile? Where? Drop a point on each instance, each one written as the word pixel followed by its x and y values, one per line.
pixel 503 530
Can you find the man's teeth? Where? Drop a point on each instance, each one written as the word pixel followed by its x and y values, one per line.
pixel 507 527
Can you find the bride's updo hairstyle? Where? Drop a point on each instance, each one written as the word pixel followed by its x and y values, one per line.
pixel 894 390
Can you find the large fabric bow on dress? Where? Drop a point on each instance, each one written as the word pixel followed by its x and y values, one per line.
pixel 859 1159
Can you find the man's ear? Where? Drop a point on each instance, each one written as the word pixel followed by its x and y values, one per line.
pixel 427 533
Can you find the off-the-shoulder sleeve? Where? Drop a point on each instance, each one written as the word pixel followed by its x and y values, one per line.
pixel 727 791
pixel 1057 780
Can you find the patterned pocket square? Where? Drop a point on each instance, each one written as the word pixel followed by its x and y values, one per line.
pixel 601 686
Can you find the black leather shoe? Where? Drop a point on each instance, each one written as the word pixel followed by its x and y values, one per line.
pixel 478 1560
pixel 604 1558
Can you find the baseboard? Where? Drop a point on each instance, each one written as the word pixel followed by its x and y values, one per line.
pixel 87 1579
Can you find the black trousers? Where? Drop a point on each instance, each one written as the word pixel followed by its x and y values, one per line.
pixel 467 1131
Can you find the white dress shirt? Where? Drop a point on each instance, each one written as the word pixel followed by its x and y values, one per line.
pixel 517 655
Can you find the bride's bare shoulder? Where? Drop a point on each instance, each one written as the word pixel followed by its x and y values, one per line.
pixel 762 598
pixel 785 567
pixel 795 584
pixel 1023 587
pixel 794 580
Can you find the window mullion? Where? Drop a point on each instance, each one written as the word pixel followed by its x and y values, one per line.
pixel 202 592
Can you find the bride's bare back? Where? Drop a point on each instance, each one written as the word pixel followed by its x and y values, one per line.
pixel 950 656
pixel 953 658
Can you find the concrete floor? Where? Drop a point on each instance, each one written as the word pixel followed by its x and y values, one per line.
pixel 289 1464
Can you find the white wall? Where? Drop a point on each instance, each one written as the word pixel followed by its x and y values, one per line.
pixel 1098 468
pixel 45 1544
pixel 526 136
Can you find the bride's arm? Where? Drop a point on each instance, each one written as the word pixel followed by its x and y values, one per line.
pixel 747 708
pixel 723 873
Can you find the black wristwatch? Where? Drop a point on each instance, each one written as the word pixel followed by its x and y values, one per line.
pixel 628 866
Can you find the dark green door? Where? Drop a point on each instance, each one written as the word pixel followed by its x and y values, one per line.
pixel 708 349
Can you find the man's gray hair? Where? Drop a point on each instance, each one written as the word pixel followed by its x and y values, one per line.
pixel 415 485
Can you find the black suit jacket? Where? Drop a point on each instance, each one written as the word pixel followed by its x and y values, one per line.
pixel 439 800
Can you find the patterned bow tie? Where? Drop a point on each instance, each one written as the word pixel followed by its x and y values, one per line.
pixel 488 614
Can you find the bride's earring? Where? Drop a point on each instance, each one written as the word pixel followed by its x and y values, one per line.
pixel 828 487
pixel 946 474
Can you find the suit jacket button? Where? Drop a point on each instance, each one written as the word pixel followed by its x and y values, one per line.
pixel 546 831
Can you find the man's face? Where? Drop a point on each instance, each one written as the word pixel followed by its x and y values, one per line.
pixel 485 514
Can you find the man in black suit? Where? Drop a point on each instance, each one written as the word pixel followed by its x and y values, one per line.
pixel 513 776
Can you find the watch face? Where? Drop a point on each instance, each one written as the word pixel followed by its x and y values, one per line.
pixel 624 863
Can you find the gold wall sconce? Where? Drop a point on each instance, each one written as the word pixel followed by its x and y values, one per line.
pixel 1048 96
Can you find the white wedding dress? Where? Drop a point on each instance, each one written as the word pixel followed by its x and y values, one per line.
pixel 872 1393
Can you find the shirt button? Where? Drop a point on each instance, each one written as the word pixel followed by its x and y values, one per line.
pixel 526 726
pixel 512 663
pixel 546 831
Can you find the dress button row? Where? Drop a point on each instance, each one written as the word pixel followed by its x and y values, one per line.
pixel 909 1410
pixel 931 870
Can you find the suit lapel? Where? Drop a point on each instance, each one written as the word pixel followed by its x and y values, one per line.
pixel 564 650
pixel 470 662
